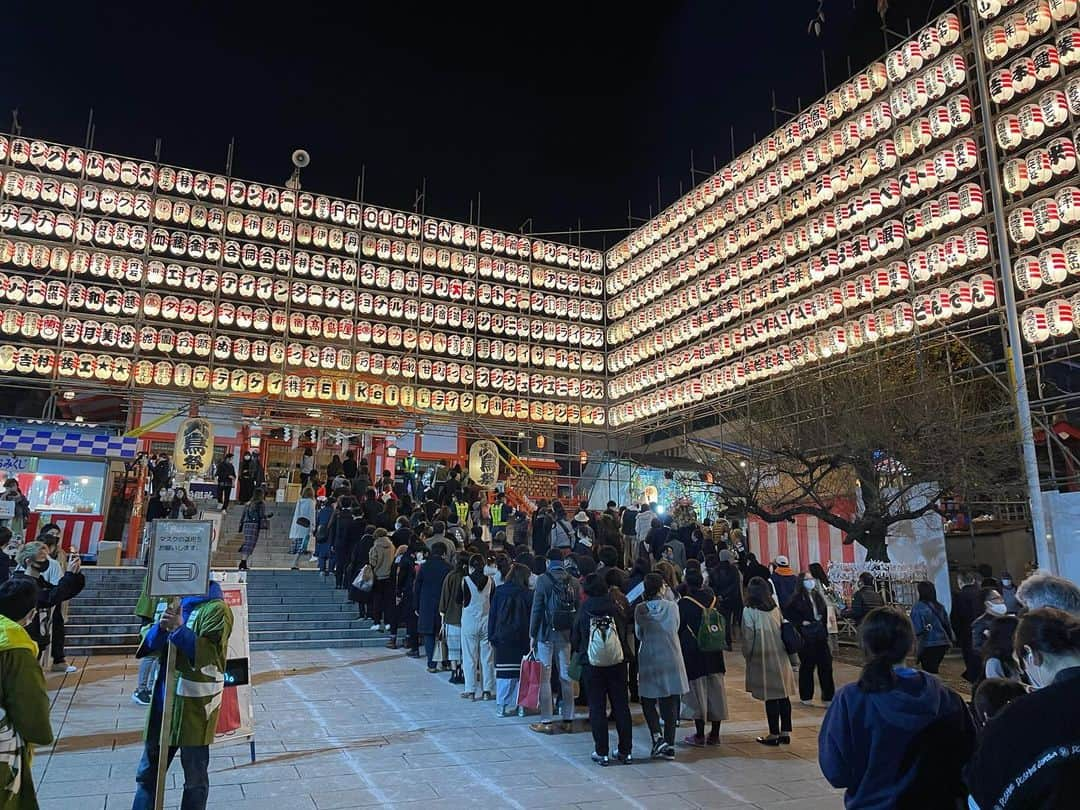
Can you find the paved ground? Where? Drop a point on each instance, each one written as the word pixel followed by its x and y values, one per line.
pixel 362 728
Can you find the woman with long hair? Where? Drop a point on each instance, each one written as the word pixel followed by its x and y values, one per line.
pixel 769 676
pixel 669 572
pixel 508 632
pixel 897 737
pixel 706 699
pixel 999 659
pixel 303 524
pixel 809 611
pixel 933 631
pixel 476 652
pixel 252 522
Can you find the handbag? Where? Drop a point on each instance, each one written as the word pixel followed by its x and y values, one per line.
pixel 793 640
pixel 365 580
pixel 303 522
pixel 532 672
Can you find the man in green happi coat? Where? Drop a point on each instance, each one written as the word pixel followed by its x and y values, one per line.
pixel 199 630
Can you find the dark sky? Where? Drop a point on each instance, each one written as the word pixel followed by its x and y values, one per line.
pixel 551 111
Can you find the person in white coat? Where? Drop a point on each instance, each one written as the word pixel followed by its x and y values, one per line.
pixel 303 524
pixel 476 650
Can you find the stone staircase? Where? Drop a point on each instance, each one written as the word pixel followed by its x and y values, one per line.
pixel 101 620
pixel 301 610
pixel 273 547
pixel 287 610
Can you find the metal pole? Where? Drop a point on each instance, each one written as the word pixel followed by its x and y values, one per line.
pixel 166 720
pixel 1013 349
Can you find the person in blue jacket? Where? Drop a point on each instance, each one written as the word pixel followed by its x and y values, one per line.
pixel 898 737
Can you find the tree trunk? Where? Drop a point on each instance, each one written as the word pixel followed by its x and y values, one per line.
pixel 874 542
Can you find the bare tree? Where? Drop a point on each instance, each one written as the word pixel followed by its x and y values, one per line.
pixel 901 430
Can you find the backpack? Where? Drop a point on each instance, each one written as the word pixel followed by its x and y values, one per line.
pixel 557 527
pixel 605 648
pixel 710 635
pixel 562 617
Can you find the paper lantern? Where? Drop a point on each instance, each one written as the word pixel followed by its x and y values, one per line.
pixel 1027 273
pixel 1059 317
pixel 1008 131
pixel 1054 106
pixel 995 43
pixel 1046 215
pixel 1034 325
pixel 1021 226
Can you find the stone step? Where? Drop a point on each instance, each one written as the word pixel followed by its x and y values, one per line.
pixel 118 629
pixel 316 597
pixel 75 641
pixel 82 610
pixel 330 643
pixel 279 623
pixel 314 635
pixel 104 649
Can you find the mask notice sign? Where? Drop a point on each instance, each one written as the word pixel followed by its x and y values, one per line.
pixel 179 558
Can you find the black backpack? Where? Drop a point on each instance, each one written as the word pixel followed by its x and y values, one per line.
pixel 562 617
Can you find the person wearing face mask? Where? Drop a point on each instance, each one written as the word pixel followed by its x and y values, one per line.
pixel 247 479
pixel 181 505
pixel 33 563
pixel 1008 593
pixel 24 702
pixel 809 612
pixel 994 606
pixel 1029 756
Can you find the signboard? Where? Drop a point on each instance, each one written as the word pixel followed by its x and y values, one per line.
pixel 484 464
pixel 193 452
pixel 179 558
pixel 237 718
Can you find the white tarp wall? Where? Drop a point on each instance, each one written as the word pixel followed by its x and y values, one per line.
pixel 1059 551
pixel 922 541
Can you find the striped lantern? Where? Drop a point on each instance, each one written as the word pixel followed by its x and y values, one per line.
pixel 1059 317
pixel 1034 325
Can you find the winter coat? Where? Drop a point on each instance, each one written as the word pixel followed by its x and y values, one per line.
pixel 50 597
pixel 864 600
pixel 800 612
pixel 678 551
pixel 1020 761
pixel 967 606
pixel 768 666
pixel 931 624
pixel 785 583
pixel 629 522
pixel 508 624
pixel 904 747
pixel 201 645
pixel 403 575
pixel 545 601
pixel 381 557
pixel 429 585
pixel 24 716
pixel 451 598
pixel 305 508
pixel 643 523
pixel 698 663
pixel 661 671
pixel 726 583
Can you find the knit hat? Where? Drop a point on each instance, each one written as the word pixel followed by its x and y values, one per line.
pixel 581 517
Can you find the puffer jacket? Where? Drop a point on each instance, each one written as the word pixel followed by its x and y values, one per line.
pixel 381 557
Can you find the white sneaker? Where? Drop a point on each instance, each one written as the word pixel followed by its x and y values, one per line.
pixel 809 703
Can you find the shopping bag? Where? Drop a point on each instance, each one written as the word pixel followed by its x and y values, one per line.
pixel 532 672
pixel 229 716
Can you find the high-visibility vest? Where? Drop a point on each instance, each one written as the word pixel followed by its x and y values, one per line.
pixel 410 464
pixel 462 513
pixel 497 515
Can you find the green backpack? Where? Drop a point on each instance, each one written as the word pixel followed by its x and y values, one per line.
pixel 710 635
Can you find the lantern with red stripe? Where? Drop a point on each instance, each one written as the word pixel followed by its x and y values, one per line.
pixel 1059 317
pixel 1027 273
pixel 1068 204
pixel 1021 226
pixel 1008 131
pixel 1047 217
pixel 1034 325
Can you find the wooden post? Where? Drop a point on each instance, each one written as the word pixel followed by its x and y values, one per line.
pixel 166 719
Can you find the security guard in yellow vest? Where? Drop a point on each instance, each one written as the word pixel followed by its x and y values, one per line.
pixel 410 467
pixel 462 509
pixel 199 630
pixel 499 514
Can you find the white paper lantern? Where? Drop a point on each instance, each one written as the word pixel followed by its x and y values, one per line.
pixel 1047 218
pixel 1008 132
pixel 1053 266
pixel 1034 325
pixel 1032 121
pixel 1059 317
pixel 1027 273
pixel 1021 226
pixel 995 43
pixel 1015 176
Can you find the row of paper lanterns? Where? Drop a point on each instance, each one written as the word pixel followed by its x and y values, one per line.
pixel 1056 319
pixel 132 270
pixel 934 308
pixel 1044 217
pixel 911 181
pixel 509 297
pixel 135 236
pixel 937 259
pixel 1014 32
pixel 944 211
pixel 952 254
pixel 235 223
pixel 1040 166
pixel 164 373
pixel 1026 73
pixel 898 64
pixel 79 297
pixel 184 182
pixel 820 190
pixel 1051 267
pixel 110 334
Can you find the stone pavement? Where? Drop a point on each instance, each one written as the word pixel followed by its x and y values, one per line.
pixel 366 728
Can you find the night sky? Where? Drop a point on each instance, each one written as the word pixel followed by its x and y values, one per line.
pixel 557 112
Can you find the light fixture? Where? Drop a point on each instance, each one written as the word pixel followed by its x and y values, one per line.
pixel 69 395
